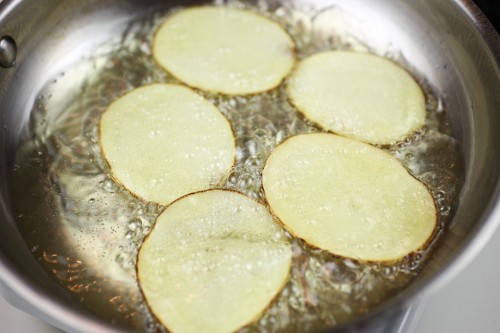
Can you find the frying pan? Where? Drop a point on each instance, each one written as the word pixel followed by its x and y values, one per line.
pixel 449 43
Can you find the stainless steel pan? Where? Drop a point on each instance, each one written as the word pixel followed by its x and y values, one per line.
pixel 448 42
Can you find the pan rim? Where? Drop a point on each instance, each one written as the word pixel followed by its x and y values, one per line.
pixel 62 316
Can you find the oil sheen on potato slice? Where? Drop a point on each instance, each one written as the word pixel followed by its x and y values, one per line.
pixel 163 141
pixel 358 95
pixel 224 50
pixel 213 262
pixel 347 197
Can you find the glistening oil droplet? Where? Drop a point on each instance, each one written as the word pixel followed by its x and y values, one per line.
pixel 131 234
pixel 135 224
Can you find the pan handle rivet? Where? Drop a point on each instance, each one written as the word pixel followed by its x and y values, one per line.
pixel 8 51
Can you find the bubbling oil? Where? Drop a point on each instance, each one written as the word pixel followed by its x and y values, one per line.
pixel 85 229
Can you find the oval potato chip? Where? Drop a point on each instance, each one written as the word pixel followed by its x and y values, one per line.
pixel 358 95
pixel 348 198
pixel 224 50
pixel 213 262
pixel 164 141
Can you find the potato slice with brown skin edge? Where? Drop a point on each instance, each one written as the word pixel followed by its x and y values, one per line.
pixel 358 95
pixel 224 50
pixel 348 198
pixel 213 262
pixel 163 141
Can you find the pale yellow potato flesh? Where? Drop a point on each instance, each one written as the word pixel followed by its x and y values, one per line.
pixel 224 50
pixel 358 95
pixel 348 197
pixel 213 262
pixel 164 141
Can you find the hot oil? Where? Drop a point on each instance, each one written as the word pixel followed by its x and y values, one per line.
pixel 85 229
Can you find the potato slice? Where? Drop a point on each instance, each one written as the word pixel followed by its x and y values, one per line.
pixel 163 141
pixel 224 50
pixel 358 95
pixel 213 262
pixel 347 197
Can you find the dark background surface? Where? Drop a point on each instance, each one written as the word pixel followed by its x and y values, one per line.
pixel 492 10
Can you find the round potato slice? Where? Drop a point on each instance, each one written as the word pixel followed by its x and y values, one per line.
pixel 347 197
pixel 164 141
pixel 213 262
pixel 224 50
pixel 358 95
